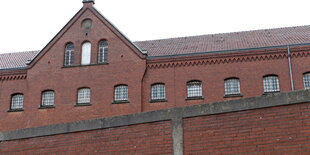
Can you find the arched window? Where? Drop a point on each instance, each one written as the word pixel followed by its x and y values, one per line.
pixel 194 89
pixel 158 91
pixel 271 83
pixel 69 54
pixel 48 98
pixel 83 96
pixel 121 93
pixel 86 52
pixel 103 51
pixel 307 80
pixel 17 101
pixel 232 86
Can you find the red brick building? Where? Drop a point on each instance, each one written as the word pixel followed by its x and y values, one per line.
pixel 91 70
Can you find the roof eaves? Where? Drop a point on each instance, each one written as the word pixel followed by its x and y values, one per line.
pixel 11 69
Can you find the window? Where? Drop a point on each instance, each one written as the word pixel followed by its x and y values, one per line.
pixel 232 86
pixel 83 96
pixel 69 54
pixel 17 101
pixel 103 51
pixel 121 93
pixel 307 80
pixel 271 83
pixel 86 52
pixel 48 98
pixel 158 91
pixel 194 89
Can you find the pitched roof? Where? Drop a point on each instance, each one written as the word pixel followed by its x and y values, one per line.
pixel 196 44
pixel 16 60
pixel 226 41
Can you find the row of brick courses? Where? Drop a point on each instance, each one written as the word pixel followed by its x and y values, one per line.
pixel 284 129
pixel 149 138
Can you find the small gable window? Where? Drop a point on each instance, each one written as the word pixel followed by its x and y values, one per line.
pixel 103 51
pixel 17 102
pixel 121 93
pixel 271 83
pixel 69 54
pixel 307 80
pixel 194 89
pixel 232 86
pixel 83 96
pixel 86 53
pixel 158 91
pixel 47 98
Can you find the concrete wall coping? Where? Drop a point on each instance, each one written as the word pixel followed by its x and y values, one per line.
pixel 265 101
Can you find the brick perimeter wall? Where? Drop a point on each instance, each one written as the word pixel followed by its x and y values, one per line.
pixel 149 138
pixel 277 130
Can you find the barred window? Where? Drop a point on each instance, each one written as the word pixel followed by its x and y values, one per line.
pixel 271 83
pixel 158 91
pixel 121 93
pixel 194 89
pixel 69 54
pixel 103 51
pixel 48 98
pixel 307 80
pixel 86 53
pixel 17 101
pixel 232 86
pixel 83 95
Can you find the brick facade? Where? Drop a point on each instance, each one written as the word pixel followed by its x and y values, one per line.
pixel 127 65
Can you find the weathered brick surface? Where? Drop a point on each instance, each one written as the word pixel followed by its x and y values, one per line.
pixel 277 130
pixel 150 138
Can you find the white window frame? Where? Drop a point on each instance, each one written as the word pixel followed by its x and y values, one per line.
pixel 69 54
pixel 158 91
pixel 271 83
pixel 306 78
pixel 103 51
pixel 121 93
pixel 86 53
pixel 48 98
pixel 84 95
pixel 232 86
pixel 17 101
pixel 194 88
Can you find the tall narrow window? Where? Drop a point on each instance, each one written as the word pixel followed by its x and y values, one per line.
pixel 48 98
pixel 83 96
pixel 86 52
pixel 232 86
pixel 194 89
pixel 69 54
pixel 17 101
pixel 158 91
pixel 103 51
pixel 307 80
pixel 121 93
pixel 271 83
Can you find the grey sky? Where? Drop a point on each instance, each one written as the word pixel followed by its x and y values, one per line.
pixel 31 24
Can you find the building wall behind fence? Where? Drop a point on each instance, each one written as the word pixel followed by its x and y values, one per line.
pixel 272 124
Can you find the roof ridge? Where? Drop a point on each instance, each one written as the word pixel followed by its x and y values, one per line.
pixel 19 52
pixel 226 33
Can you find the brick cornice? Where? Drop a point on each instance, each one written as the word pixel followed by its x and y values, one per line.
pixel 13 75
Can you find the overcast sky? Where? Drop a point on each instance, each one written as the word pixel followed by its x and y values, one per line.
pixel 30 24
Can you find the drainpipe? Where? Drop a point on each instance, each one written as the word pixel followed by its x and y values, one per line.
pixel 290 66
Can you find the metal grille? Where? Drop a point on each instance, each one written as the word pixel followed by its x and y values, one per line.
pixel 103 51
pixel 158 91
pixel 232 86
pixel 121 93
pixel 17 101
pixel 307 80
pixel 271 84
pixel 48 98
pixel 69 54
pixel 84 95
pixel 194 89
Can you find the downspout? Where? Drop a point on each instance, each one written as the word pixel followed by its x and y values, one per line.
pixel 290 67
